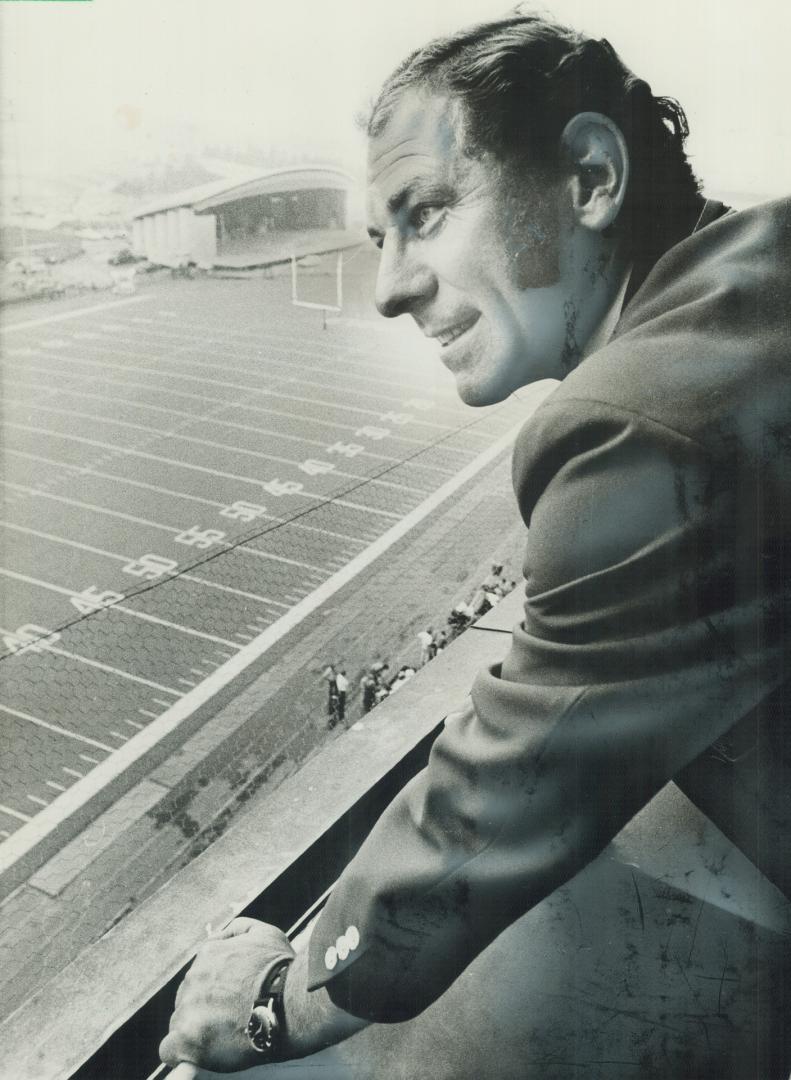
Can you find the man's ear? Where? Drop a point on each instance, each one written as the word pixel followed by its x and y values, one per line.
pixel 597 159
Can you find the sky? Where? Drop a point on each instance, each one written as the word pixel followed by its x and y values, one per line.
pixel 104 84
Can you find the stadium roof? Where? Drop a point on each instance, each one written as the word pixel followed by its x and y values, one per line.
pixel 205 197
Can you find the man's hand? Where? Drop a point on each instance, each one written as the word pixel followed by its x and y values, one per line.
pixel 213 1004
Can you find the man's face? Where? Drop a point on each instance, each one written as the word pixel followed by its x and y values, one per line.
pixel 477 263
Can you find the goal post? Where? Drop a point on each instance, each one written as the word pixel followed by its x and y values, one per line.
pixel 317 282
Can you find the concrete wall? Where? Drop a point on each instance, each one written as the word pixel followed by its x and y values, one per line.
pixel 174 237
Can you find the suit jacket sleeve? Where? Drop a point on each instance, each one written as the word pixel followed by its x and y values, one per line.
pixel 647 633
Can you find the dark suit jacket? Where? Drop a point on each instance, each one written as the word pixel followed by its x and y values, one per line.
pixel 655 482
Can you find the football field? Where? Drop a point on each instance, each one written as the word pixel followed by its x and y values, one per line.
pixel 187 473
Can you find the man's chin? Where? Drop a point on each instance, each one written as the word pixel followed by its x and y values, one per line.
pixel 478 394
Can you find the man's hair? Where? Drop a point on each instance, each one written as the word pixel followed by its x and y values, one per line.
pixel 520 79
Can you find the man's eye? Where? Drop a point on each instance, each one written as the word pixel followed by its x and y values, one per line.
pixel 425 217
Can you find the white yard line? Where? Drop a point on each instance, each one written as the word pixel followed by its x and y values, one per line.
pixel 228 544
pixel 28 323
pixel 14 813
pixel 247 550
pixel 264 455
pixel 42 643
pixel 89 471
pixel 244 387
pixel 19 378
pixel 28 835
pixel 261 362
pixel 230 589
pixel 55 728
pixel 70 543
pixel 187 465
pixel 165 434
pixel 172 626
pixel 5 572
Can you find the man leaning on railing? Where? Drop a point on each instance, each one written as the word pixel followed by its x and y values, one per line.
pixel 538 218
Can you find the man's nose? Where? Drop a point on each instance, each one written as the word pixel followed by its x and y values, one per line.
pixel 403 280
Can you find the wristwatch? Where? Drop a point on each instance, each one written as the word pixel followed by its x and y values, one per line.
pixel 267 1022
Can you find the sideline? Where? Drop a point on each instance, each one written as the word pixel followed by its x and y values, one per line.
pixel 22 842
pixel 73 314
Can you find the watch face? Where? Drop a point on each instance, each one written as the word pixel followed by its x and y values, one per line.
pixel 260 1027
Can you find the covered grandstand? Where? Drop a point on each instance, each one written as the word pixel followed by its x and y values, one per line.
pixel 260 221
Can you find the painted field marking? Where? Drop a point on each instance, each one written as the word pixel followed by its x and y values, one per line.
pixel 55 728
pixel 161 373
pixel 231 404
pixel 245 549
pixel 42 643
pixel 165 434
pixel 197 468
pixel 5 572
pixel 20 377
pixel 198 441
pixel 195 418
pixel 405 353
pixel 30 834
pixel 131 517
pixel 88 758
pixel 73 772
pixel 145 617
pixel 37 800
pixel 88 470
pixel 74 314
pixel 134 724
pixel 229 589
pixel 339 354
pixel 54 785
pixel 148 713
pixel 228 545
pixel 126 558
pixel 14 813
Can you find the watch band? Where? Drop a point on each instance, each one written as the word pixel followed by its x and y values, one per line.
pixel 267 1021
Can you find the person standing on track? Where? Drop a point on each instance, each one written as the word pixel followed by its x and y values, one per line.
pixel 342 685
pixel 538 218
pixel 331 676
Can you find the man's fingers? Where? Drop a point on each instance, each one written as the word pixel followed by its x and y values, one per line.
pixel 234 928
pixel 173 1051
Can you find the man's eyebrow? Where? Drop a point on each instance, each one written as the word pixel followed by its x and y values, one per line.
pixel 414 187
pixel 400 196
pixel 394 204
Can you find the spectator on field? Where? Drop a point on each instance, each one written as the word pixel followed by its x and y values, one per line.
pixel 342 685
pixel 368 687
pixel 378 667
pixel 426 640
pixel 330 675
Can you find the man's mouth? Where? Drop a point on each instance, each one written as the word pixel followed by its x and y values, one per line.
pixel 453 333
